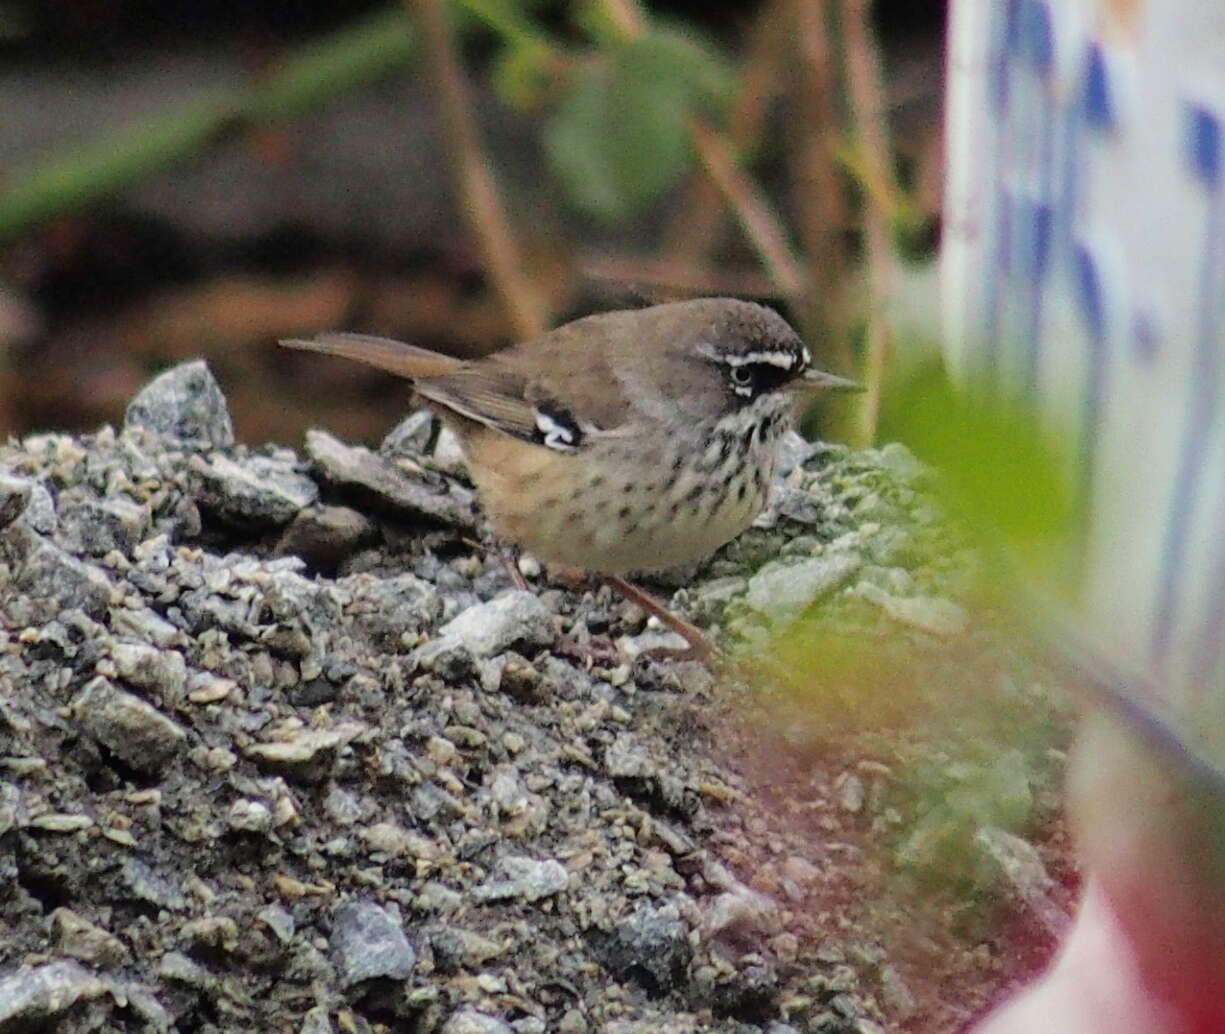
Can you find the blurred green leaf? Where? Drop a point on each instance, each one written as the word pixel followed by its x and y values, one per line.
pixel 317 72
pixel 522 75
pixel 1013 482
pixel 620 138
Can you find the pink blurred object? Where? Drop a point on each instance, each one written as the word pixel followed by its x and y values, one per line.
pixel 1093 986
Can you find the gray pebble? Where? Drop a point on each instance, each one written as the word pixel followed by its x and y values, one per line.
pixel 740 911
pixel 40 513
pixel 367 942
pixel 515 617
pixel 135 730
pixel 926 613
pixel 901 462
pixel 455 948
pixel 178 967
pixel 149 885
pixel 784 590
pixel 144 624
pixel 448 453
pixel 316 1021
pixel 279 920
pixel 253 493
pixel 161 672
pixel 184 404
pixel 411 436
pixel 14 498
pixel 469 1021
pixel 525 878
pixel 247 816
pixel 307 757
pixel 38 579
pixel 97 526
pixel 447 658
pixel 386 609
pixel 81 939
pixel 432 497
pixel 32 995
pixel 850 793
pixel 1021 866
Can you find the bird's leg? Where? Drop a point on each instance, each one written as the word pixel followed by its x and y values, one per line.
pixel 701 646
pixel 597 649
pixel 510 561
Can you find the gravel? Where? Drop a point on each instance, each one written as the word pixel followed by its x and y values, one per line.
pixel 283 749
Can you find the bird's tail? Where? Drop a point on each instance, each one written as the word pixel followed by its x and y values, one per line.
pixel 394 356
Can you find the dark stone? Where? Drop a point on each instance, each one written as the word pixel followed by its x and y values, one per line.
pixel 325 536
pixel 367 943
pixel 252 493
pixel 38 580
pixel 14 498
pixel 650 948
pixel 390 486
pixel 97 526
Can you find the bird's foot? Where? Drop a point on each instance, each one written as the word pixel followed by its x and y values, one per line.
pixel 595 650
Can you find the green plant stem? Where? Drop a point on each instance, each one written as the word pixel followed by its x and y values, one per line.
pixel 316 72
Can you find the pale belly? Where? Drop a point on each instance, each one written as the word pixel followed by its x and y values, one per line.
pixel 591 512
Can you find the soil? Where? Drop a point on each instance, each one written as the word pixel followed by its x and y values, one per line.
pixel 283 749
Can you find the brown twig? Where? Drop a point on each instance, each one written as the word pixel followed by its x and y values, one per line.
pixel 676 279
pixel 481 201
pixel 752 210
pixel 695 229
pixel 866 96
pixel 817 182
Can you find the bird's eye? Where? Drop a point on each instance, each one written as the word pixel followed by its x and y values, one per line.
pixel 741 376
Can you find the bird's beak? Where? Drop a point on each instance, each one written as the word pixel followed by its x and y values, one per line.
pixel 813 379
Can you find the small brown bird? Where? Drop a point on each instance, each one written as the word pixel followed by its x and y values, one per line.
pixel 635 440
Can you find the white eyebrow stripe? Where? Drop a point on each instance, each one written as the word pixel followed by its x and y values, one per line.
pixel 785 360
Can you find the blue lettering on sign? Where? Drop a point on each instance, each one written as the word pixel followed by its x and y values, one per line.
pixel 1204 144
pixel 1097 100
pixel 1204 154
pixel 1034 37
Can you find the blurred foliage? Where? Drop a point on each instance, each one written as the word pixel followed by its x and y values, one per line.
pixel 351 57
pixel 630 108
pixel 619 138
pixel 1004 475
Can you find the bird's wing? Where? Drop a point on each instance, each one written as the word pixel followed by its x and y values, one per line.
pixel 558 390
pixel 394 356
